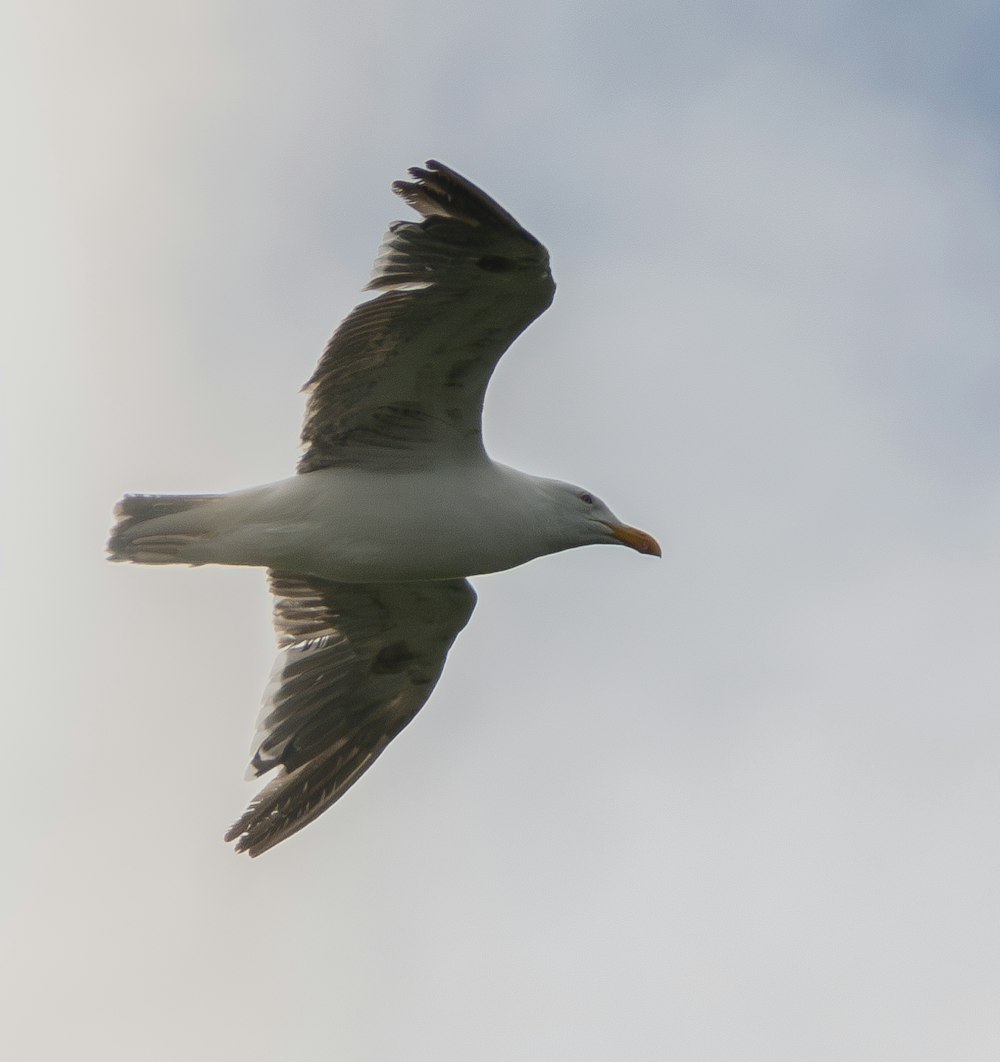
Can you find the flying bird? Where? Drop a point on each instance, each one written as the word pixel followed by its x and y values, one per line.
pixel 394 504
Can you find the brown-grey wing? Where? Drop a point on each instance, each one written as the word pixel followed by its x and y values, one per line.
pixel 402 382
pixel 357 662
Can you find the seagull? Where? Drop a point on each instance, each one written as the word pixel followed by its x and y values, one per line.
pixel 395 502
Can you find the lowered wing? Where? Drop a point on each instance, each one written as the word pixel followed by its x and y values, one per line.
pixel 357 663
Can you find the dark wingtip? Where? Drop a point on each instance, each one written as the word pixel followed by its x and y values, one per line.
pixel 438 189
pixel 238 832
pixel 233 832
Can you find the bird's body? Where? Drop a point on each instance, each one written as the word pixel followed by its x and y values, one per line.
pixel 395 502
pixel 353 525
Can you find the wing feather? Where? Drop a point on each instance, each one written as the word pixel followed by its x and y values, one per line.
pixel 402 382
pixel 357 662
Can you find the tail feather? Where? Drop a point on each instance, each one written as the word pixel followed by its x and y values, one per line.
pixel 128 542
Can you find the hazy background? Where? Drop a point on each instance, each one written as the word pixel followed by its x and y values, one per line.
pixel 741 804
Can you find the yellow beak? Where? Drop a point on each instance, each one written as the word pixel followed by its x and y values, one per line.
pixel 636 539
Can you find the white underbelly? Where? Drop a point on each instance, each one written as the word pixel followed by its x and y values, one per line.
pixel 349 527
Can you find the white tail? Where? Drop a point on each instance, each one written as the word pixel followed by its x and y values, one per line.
pixel 132 540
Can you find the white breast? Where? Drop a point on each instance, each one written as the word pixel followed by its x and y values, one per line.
pixel 351 526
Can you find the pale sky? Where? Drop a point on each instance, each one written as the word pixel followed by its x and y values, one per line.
pixel 741 804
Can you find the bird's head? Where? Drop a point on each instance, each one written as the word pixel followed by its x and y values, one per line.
pixel 586 520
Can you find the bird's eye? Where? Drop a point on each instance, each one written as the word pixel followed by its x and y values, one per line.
pixel 587 499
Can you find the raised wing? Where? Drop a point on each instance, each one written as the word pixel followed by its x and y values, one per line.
pixel 402 381
pixel 358 662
